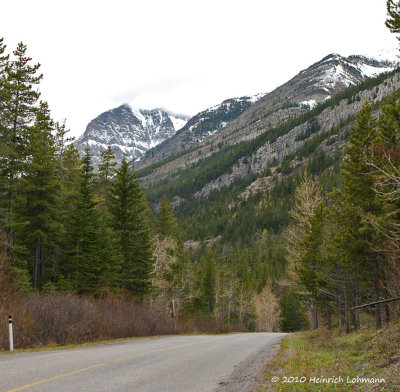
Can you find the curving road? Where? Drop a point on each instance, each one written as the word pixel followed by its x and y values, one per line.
pixel 163 364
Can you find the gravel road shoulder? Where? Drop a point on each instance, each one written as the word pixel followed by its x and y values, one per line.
pixel 249 374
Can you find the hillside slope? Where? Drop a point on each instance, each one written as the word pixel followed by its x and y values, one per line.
pixel 218 188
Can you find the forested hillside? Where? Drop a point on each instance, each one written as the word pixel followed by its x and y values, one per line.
pixel 255 210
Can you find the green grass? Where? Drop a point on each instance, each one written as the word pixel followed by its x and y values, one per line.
pixel 308 357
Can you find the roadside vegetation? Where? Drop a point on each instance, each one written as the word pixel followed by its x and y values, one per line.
pixel 336 360
pixel 54 319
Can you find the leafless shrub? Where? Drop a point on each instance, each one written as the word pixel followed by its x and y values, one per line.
pixel 62 319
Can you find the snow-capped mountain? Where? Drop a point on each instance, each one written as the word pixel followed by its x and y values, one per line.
pixel 199 128
pixel 335 71
pixel 333 74
pixel 129 132
pixel 322 80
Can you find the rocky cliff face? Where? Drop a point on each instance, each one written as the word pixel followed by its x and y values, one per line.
pixel 129 132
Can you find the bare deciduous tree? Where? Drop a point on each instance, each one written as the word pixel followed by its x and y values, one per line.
pixel 267 309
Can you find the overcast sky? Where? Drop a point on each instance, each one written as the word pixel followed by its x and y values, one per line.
pixel 184 55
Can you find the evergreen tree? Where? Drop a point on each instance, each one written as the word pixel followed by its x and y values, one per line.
pixel 357 183
pixel 70 174
pixel 166 222
pixel 84 246
pixel 384 163
pixel 130 220
pixel 292 316
pixel 94 260
pixel 209 284
pixel 40 185
pixel 4 98
pixel 16 117
pixel 393 20
pixel 105 173
pixel 3 66
pixel 359 199
pixel 62 142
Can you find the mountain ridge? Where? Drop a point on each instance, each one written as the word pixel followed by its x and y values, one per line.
pixel 286 102
pixel 198 129
pixel 146 137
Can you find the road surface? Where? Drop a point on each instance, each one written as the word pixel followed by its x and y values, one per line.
pixel 200 363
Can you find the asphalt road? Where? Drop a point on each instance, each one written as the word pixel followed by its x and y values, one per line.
pixel 163 364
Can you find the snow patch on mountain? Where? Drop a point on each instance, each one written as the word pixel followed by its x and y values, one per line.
pixel 310 103
pixel 178 122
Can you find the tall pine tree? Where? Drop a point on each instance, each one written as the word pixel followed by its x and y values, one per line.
pixel 16 119
pixel 356 238
pixel 130 220
pixel 40 185
pixel 93 260
pixel 166 222
pixel 105 173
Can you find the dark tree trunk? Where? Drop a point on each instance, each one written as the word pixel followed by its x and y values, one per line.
pixel 42 264
pixel 357 311
pixel 314 318
pixel 314 315
pixel 340 311
pixel 346 310
pixel 386 306
pixel 353 312
pixel 36 264
pixel 378 322
pixel 328 314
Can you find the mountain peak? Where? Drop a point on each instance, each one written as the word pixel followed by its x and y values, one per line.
pixel 334 56
pixel 124 106
pixel 129 132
